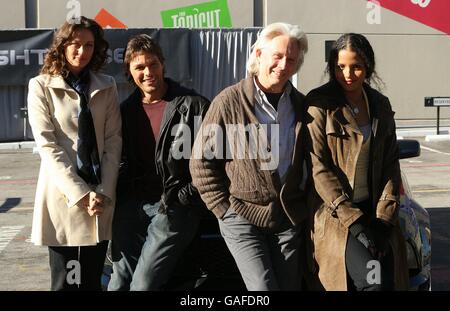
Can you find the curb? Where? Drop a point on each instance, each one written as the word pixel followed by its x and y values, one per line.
pixel 420 132
pixel 435 138
pixel 18 145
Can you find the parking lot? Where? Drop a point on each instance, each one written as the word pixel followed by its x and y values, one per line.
pixel 25 266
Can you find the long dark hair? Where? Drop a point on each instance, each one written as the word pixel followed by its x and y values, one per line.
pixel 361 46
pixel 55 62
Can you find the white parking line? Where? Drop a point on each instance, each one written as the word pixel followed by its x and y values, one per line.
pixel 430 190
pixel 7 233
pixel 434 150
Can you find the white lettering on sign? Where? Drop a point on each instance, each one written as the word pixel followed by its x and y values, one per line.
pixel 441 101
pixel 115 55
pixel 198 20
pixel 30 57
pixel 10 57
pixel 421 3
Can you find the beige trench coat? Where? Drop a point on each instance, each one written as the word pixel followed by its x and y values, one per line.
pixel 334 148
pixel 53 114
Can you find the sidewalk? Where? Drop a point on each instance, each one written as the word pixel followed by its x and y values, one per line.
pixel 20 145
pixel 424 128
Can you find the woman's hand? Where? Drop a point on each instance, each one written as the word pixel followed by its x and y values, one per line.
pixel 95 203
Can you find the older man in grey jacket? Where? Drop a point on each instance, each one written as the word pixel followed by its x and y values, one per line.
pixel 248 162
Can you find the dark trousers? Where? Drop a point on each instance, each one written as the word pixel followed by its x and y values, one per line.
pixel 364 272
pixel 71 263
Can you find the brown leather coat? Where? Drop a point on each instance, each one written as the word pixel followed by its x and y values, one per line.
pixel 335 143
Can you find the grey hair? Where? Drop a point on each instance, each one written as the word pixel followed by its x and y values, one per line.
pixel 274 30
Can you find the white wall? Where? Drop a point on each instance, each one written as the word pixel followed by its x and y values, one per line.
pixel 136 13
pixel 12 14
pixel 412 58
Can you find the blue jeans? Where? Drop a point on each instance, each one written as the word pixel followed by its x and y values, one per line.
pixel 168 236
pixel 266 260
pixel 129 234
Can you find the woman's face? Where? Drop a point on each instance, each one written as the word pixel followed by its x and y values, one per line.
pixel 350 71
pixel 79 50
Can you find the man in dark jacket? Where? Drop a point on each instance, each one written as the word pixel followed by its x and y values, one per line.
pixel 157 212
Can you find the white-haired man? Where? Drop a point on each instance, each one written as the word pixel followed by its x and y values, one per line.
pixel 256 188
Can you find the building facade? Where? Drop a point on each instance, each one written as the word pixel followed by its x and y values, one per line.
pixel 410 37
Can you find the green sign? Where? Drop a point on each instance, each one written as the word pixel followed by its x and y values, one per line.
pixel 203 15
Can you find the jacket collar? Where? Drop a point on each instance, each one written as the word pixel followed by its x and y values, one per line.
pixel 249 90
pixel 98 82
pixel 249 93
pixel 333 92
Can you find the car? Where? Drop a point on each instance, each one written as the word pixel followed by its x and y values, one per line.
pixel 415 225
pixel 208 265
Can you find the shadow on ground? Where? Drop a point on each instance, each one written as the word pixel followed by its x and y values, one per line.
pixel 9 204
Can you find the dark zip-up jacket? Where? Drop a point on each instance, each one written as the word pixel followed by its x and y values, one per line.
pixel 163 174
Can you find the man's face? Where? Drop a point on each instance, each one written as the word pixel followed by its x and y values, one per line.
pixel 147 72
pixel 277 63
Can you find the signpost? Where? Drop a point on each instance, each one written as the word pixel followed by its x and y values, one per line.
pixel 437 102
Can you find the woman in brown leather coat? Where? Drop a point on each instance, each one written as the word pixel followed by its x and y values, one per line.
pixel 357 242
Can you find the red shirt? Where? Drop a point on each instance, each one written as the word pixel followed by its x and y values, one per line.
pixel 155 114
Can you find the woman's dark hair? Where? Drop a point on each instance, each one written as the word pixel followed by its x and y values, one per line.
pixel 361 46
pixel 139 44
pixel 55 62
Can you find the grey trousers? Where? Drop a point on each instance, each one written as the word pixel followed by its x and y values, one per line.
pixel 266 260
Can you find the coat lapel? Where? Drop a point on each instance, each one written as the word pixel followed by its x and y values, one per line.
pixel 344 116
pixel 342 113
pixel 58 82
pixel 97 84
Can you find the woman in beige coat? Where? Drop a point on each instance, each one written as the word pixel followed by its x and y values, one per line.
pixel 75 118
pixel 357 241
